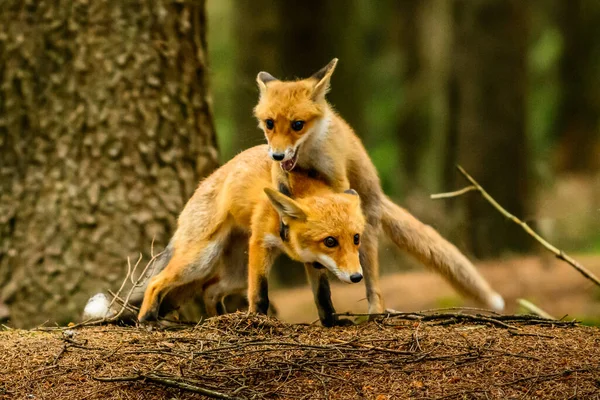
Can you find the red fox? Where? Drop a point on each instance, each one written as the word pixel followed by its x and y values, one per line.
pixel 304 132
pixel 319 227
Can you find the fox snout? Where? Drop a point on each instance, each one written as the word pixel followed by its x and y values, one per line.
pixel 281 154
pixel 349 276
pixel 277 156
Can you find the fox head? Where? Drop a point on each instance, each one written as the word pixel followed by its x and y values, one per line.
pixel 325 230
pixel 288 112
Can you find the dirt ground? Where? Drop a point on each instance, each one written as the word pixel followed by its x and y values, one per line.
pixel 546 281
pixel 422 356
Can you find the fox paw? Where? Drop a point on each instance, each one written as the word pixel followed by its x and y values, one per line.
pixel 149 316
pixel 344 322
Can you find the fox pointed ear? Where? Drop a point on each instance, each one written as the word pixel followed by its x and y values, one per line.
pixel 262 79
pixel 323 77
pixel 285 206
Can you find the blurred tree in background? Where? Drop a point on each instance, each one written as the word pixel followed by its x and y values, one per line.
pixel 490 116
pixel 579 116
pixel 105 130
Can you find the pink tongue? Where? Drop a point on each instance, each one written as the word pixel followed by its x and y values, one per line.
pixel 287 165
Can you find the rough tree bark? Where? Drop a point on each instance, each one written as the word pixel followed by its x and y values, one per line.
pixel 490 67
pixel 105 130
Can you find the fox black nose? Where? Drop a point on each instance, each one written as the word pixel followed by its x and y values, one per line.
pixel 355 278
pixel 278 156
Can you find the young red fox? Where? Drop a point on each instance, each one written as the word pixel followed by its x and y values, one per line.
pixel 318 227
pixel 303 131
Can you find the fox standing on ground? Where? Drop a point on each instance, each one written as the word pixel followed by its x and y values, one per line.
pixel 304 132
pixel 319 227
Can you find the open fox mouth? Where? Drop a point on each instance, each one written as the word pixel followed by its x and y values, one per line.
pixel 289 165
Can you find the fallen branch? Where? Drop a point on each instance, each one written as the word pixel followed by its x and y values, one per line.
pixel 166 380
pixel 458 317
pixel 557 252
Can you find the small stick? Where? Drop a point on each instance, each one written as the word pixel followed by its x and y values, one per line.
pixel 452 194
pixel 370 347
pixel 122 283
pixel 532 308
pixel 557 252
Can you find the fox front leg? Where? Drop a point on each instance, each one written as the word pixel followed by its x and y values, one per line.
pixel 322 293
pixel 319 284
pixel 260 261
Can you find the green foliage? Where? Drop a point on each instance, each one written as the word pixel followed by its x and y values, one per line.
pixel 222 78
pixel 589 321
pixel 543 97
pixel 449 302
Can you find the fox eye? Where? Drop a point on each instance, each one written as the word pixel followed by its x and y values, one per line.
pixel 357 239
pixel 270 123
pixel 297 125
pixel 330 241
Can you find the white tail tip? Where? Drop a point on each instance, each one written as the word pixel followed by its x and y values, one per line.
pixel 496 302
pixel 97 307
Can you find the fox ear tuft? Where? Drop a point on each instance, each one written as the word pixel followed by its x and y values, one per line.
pixel 323 77
pixel 285 206
pixel 262 79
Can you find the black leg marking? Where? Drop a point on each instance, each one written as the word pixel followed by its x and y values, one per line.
pixel 166 306
pixel 324 303
pixel 262 302
pixel 219 308
pixel 284 231
pixel 284 189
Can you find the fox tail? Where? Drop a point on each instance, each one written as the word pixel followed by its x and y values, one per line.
pixel 435 252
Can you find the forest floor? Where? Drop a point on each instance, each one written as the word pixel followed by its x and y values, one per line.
pixel 426 356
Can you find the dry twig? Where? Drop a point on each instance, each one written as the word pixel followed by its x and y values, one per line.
pixel 532 308
pixel 168 380
pixel 557 252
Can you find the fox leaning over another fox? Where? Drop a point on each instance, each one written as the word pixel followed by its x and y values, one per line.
pixel 315 215
pixel 303 131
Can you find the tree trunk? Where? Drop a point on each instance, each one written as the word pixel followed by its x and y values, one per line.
pixel 425 41
pixel 106 129
pixel 257 42
pixel 579 122
pixel 490 57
